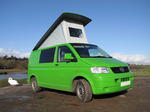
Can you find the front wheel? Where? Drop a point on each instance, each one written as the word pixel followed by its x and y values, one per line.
pixel 34 85
pixel 83 91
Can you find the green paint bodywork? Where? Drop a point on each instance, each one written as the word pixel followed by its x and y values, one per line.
pixel 60 75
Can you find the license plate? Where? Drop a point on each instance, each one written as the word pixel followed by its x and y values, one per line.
pixel 125 83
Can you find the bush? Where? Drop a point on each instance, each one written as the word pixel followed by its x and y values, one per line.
pixel 13 62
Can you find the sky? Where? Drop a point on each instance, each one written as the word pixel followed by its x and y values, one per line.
pixel 120 27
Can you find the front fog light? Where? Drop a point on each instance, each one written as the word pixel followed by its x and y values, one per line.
pixel 99 70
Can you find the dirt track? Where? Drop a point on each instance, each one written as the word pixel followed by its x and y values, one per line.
pixel 21 99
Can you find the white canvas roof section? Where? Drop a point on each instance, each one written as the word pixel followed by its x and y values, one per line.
pixel 62 35
pixel 58 36
pixel 68 28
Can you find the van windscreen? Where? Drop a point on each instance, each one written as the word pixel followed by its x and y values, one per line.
pixel 90 51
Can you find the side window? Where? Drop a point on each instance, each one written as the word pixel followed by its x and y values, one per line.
pixel 61 53
pixel 47 55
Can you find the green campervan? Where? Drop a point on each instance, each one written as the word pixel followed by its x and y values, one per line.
pixel 63 60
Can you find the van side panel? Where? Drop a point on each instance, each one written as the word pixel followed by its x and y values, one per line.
pixel 33 64
pixel 42 71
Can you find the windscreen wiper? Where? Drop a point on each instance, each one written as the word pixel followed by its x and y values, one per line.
pixel 98 57
pixel 101 57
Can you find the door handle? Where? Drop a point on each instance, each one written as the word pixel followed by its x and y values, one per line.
pixel 56 64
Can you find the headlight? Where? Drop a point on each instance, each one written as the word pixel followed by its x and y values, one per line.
pixel 99 70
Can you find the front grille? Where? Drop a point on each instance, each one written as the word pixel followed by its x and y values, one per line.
pixel 124 79
pixel 120 69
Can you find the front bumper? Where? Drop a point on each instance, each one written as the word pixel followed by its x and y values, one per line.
pixel 111 83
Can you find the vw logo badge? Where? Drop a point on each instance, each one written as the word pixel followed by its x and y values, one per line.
pixel 122 69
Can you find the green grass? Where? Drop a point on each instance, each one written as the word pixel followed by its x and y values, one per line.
pixel 145 72
pixel 4 82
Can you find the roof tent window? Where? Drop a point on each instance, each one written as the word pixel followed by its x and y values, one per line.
pixel 47 55
pixel 74 32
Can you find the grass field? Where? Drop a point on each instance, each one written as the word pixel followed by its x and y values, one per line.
pixel 141 72
pixel 4 82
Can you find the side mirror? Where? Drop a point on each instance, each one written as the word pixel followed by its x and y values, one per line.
pixel 68 56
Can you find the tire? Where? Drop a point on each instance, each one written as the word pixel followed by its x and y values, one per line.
pixel 34 85
pixel 83 91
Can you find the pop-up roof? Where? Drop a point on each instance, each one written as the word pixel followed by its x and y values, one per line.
pixel 68 28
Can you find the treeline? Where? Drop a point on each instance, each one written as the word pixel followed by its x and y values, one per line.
pixel 13 63
pixel 134 66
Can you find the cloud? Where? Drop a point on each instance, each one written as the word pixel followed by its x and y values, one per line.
pixel 10 52
pixel 132 59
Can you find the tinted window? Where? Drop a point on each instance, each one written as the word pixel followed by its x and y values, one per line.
pixel 74 32
pixel 61 53
pixel 47 55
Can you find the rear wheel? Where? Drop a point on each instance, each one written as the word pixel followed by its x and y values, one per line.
pixel 34 85
pixel 84 91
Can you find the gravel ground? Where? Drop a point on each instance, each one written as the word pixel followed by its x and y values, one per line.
pixel 21 99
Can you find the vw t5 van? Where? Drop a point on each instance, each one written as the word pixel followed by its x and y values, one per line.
pixel 79 67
